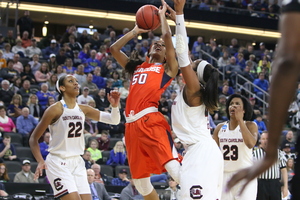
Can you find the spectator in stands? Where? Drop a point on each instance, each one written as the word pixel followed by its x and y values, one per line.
pixel 35 109
pixel 52 49
pixel 43 74
pixel 117 155
pixel 16 85
pixel 95 41
pixel 90 128
pixel 173 191
pixel 289 139
pixel 290 163
pixel 43 95
pixel 26 41
pixel 130 192
pixel 52 83
pixel 35 64
pixel 241 61
pixel 27 74
pixel 248 76
pixel 102 54
pixel 255 107
pixel 232 70
pixel 260 124
pixel 45 144
pixel 51 101
pixel 91 62
pixel 71 30
pixel 223 61
pixel 25 175
pixel 263 84
pixel 117 82
pixel 84 98
pixel 104 141
pixel 52 62
pixel 2 60
pixel 163 106
pixel 93 89
pixel 101 100
pixel 80 75
pixel 15 107
pixel 122 179
pixel 197 47
pixel 33 49
pixel 59 71
pixel 6 94
pixel 98 79
pixel 98 190
pixel 109 83
pixel 10 39
pixel 7 150
pixel 18 49
pixel 87 159
pixel 85 52
pixel 45 41
pixel 100 177
pixel 25 23
pixel 73 44
pixel 17 64
pixel 95 152
pixel 84 38
pixel 7 54
pixel 61 57
pixel 25 91
pixel 226 89
pixel 286 148
pixel 25 125
pixel 254 64
pixel 3 173
pixel 76 60
pixel 107 68
pixel 234 46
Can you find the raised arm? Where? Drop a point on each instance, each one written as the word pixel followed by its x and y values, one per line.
pixel 185 64
pixel 116 47
pixel 171 62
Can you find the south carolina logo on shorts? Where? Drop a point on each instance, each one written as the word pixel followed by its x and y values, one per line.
pixel 195 192
pixel 57 184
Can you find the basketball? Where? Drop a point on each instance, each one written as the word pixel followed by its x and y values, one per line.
pixel 147 17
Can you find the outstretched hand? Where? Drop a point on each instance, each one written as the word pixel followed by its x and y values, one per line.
pixel 172 14
pixel 178 6
pixel 163 8
pixel 114 98
pixel 249 173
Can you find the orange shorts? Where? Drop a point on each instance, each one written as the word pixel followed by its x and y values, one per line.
pixel 149 145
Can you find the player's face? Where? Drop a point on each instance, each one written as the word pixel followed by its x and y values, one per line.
pixel 234 104
pixel 158 47
pixel 70 85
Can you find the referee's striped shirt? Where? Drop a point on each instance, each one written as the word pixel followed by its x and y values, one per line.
pixel 274 171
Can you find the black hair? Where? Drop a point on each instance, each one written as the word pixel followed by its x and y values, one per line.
pixel 9 60
pixel 246 104
pixel 210 91
pixel 133 62
pixel 60 83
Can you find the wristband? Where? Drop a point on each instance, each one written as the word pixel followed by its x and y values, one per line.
pixel 110 118
pixel 182 48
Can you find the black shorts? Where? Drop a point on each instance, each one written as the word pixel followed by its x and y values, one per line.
pixel 293 6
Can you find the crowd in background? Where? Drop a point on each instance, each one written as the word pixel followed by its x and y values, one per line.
pixel 29 70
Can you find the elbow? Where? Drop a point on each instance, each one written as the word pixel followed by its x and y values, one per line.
pixel 113 49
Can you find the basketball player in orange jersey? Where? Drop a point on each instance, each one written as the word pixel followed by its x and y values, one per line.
pixel 148 139
pixel 64 166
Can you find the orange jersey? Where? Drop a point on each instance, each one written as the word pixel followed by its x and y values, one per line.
pixel 148 82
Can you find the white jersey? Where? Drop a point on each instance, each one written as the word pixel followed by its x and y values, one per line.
pixel 190 124
pixel 236 154
pixel 67 133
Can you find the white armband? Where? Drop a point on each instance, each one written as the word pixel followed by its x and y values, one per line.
pixel 182 49
pixel 110 118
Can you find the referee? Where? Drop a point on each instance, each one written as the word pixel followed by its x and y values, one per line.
pixel 269 185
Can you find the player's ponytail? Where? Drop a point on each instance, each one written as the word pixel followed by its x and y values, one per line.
pixel 210 89
pixel 59 83
pixel 133 62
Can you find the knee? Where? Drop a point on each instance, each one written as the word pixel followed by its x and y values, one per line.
pixel 143 185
